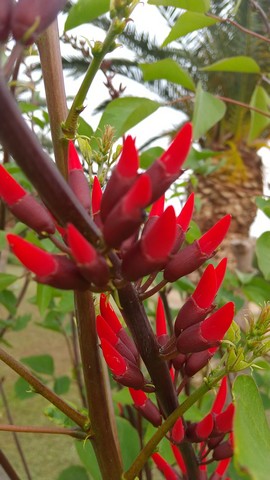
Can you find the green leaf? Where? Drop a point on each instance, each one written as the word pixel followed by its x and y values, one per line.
pixel 88 459
pixel 8 300
pixel 251 431
pixel 74 472
pixel 239 63
pixel 186 23
pixel 84 128
pixel 205 102
pixel 44 296
pixel 6 279
pixel 200 6
pixel 84 11
pixel 129 441
pixel 261 100
pixel 19 323
pixel 40 363
pixel 167 69
pixel 61 385
pixel 263 254
pixel 264 205
pixel 23 390
pixel 149 156
pixel 124 113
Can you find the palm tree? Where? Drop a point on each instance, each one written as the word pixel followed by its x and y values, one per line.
pixel 237 178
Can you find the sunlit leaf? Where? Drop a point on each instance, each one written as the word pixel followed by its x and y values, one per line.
pixel 192 5
pixel 167 69
pixel 261 100
pixel 240 63
pixel 206 102
pixel 84 11
pixel 186 23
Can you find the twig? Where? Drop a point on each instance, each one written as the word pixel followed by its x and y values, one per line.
pixel 77 361
pixel 16 440
pixel 8 468
pixel 240 27
pixel 153 290
pixel 48 430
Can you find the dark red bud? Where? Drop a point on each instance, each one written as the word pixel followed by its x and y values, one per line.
pixel 179 361
pixel 196 361
pixel 90 263
pixel 128 214
pixel 105 331
pixel 146 407
pixel 5 19
pixel 164 467
pixel 122 178
pixel 214 441
pixel 31 17
pixel 184 262
pixel 164 171
pixel 223 450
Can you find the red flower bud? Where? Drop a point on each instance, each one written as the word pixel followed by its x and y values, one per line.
pixel 220 397
pixel 197 307
pixel 55 270
pixel 178 431
pixel 182 222
pixel 207 333
pixel 105 331
pixel 91 264
pixel 161 325
pixel 194 255
pixel 152 251
pixel 198 432
pixel 164 467
pixel 111 318
pixel 196 361
pixel 223 450
pixel 5 18
pixel 164 171
pixel 76 177
pixel 221 470
pixel 123 371
pixel 128 214
pixel 96 201
pixel 146 407
pixel 23 205
pixel 157 207
pixel 220 272
pixel 179 361
pixel 31 17
pixel 122 178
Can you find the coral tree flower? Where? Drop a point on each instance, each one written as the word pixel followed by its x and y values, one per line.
pixel 76 177
pixel 23 205
pixel 146 407
pixel 163 466
pixel 55 270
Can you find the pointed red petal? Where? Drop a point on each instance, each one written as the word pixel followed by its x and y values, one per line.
pixel 10 190
pixel 73 158
pixel 205 426
pixel 157 207
pixel 109 314
pixel 220 271
pixel 138 396
pixel 174 157
pixel 179 458
pixel 32 257
pixel 221 397
pixel 222 467
pixel 82 250
pixel 215 326
pixel 161 325
pixel 224 421
pixel 139 194
pixel 185 215
pixel 178 431
pixel 159 239
pixel 105 331
pixel 213 237
pixel 96 196
pixel 114 360
pixel 128 163
pixel 206 289
pixel 164 467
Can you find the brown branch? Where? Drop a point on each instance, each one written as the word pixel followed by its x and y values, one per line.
pixel 240 27
pixel 48 430
pixel 7 467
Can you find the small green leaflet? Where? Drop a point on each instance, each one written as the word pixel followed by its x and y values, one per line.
pixel 186 23
pixel 167 69
pixel 241 64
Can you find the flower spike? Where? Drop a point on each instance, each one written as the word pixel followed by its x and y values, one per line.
pixel 122 178
pixel 165 170
pixel 55 270
pixel 76 177
pixel 23 205
pixel 92 265
pixel 193 256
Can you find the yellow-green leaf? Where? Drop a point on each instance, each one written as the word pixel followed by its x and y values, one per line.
pixel 192 5
pixel 186 23
pixel 208 110
pixel 84 11
pixel 167 69
pixel 239 63
pixel 261 100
